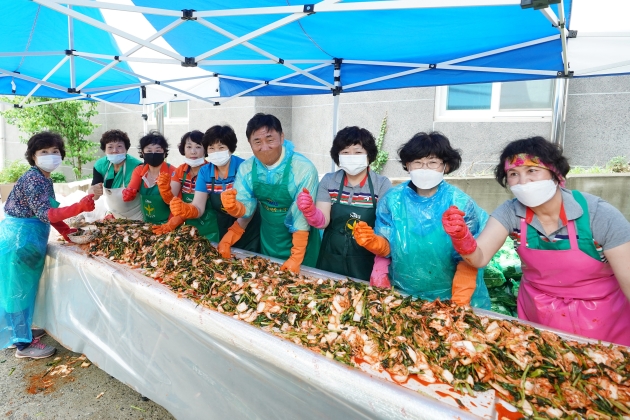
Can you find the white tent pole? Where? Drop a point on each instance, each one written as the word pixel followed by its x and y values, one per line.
pixel 503 49
pixel 497 70
pixel 265 29
pixel 34 80
pixel 50 73
pixel 336 95
pixel 296 85
pixel 558 116
pixel 563 36
pixel 335 123
pixel 374 5
pixel 419 67
pixel 391 76
pixel 119 87
pixel 152 80
pixel 30 54
pixel 107 28
pixel 262 52
pixel 54 101
pixel 109 92
pixel 263 84
pixel 156 35
pixel 145 117
pixel 73 80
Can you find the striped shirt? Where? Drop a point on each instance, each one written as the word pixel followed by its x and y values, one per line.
pixel 358 195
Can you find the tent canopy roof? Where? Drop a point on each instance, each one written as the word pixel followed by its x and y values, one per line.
pixel 230 48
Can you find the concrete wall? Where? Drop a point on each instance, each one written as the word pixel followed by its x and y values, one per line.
pixel 598 124
pixel 598 120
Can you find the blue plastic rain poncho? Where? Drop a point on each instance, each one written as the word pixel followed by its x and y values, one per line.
pixel 423 257
pixel 22 255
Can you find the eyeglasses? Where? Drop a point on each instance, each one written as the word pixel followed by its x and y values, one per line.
pixel 432 164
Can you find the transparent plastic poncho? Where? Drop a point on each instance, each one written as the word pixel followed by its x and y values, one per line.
pixel 423 257
pixel 22 255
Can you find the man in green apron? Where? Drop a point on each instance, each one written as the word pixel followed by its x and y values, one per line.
pixel 271 181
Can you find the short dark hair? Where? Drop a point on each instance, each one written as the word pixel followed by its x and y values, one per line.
pixel 195 136
pixel 223 134
pixel 550 154
pixel 350 136
pixel 153 137
pixel 111 136
pixel 43 140
pixel 260 120
pixel 430 144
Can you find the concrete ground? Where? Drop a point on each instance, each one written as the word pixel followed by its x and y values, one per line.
pixel 59 388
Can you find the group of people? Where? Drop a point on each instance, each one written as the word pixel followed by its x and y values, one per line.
pixel 425 237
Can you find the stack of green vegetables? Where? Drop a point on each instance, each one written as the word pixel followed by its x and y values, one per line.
pixel 503 277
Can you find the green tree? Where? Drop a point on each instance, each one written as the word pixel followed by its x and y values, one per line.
pixel 382 156
pixel 71 119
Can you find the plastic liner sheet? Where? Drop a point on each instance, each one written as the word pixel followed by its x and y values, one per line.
pixel 198 363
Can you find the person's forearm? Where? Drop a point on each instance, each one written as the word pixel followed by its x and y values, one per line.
pixel 476 259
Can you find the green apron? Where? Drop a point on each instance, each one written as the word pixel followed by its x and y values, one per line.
pixel 206 224
pixel 250 241
pixel 340 253
pixel 274 201
pixel 154 209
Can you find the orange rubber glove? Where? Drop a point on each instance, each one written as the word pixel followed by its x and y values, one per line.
pixel 464 283
pixel 231 237
pixel 365 237
pixel 300 240
pixel 169 226
pixel 184 210
pixel 232 206
pixel 164 185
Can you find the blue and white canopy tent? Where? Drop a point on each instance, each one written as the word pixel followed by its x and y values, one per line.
pixel 153 51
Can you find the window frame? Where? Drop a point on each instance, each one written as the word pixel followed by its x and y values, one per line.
pixel 487 115
pixel 168 119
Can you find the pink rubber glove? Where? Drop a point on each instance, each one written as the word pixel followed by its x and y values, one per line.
pixel 380 271
pixel 455 226
pixel 312 214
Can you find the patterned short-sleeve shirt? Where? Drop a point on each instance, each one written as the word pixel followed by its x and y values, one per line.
pixel 31 196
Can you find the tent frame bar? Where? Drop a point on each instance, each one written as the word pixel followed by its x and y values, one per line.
pixel 275 10
pixel 50 73
pixel 100 25
pixel 134 49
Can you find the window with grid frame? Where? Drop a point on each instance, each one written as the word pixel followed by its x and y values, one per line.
pixel 502 101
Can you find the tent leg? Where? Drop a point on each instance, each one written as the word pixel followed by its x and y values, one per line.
pixel 335 124
pixel 558 117
pixel 73 81
pixel 145 117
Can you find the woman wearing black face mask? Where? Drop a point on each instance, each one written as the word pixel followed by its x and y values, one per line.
pixel 153 149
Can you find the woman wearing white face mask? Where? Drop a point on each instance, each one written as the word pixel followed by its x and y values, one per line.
pixel 409 228
pixel 30 211
pixel 345 198
pixel 205 207
pixel 112 173
pixel 574 247
pixel 182 183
